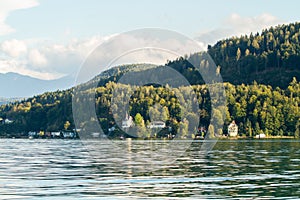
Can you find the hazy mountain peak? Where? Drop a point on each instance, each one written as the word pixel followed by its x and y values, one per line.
pixel 17 85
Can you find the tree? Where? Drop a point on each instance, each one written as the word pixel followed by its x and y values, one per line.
pixel 249 128
pixel 257 128
pixel 154 113
pixel 165 115
pixel 270 106
pixel 255 44
pixel 193 121
pixel 238 54
pixel 139 120
pixel 140 129
pixel 67 125
pixel 247 52
pixel 183 128
pixel 211 131
pixel 297 132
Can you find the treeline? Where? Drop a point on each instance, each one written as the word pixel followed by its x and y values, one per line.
pixel 271 57
pixel 256 109
pixel 262 95
pixel 46 112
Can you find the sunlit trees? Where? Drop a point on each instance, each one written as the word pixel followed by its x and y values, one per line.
pixel 264 57
pixel 67 125
pixel 253 65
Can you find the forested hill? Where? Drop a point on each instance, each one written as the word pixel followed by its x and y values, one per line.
pixel 255 108
pixel 271 57
pixel 262 61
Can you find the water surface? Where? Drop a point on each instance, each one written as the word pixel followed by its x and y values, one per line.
pixel 64 169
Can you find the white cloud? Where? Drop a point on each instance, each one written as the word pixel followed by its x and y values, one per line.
pixel 8 6
pixel 243 25
pixel 48 60
pixel 36 58
pixel 21 68
pixel 45 59
pixel 236 25
pixel 14 48
pixel 67 58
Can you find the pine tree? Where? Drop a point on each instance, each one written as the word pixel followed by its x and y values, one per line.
pixel 211 131
pixel 297 132
pixel 238 54
pixel 247 52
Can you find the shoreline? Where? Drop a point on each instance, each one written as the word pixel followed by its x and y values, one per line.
pixel 255 138
pixel 145 139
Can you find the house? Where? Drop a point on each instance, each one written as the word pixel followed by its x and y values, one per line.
pixel 32 134
pixel 55 134
pixel 157 124
pixel 68 134
pixel 127 122
pixel 48 134
pixel 111 129
pixel 261 135
pixel 233 129
pixel 8 121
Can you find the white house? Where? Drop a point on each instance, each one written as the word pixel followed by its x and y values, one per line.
pixel 127 122
pixel 8 121
pixel 157 124
pixel 233 129
pixel 55 134
pixel 68 134
pixel 111 129
pixel 261 135
pixel 32 134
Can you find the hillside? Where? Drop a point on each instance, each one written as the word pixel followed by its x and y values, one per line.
pixel 253 66
pixel 271 57
pixel 255 108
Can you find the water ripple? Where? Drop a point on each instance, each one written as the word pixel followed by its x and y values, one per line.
pixel 63 169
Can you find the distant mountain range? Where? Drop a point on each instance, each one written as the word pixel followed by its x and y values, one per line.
pixel 14 85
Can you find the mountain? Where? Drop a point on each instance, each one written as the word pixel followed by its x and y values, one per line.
pixel 255 108
pixel 271 57
pixel 263 94
pixel 16 85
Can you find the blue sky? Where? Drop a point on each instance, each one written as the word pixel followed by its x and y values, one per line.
pixel 50 38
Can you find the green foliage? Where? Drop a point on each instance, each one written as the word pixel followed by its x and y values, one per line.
pixel 252 66
pixel 256 108
pixel 211 131
pixel 67 125
pixel 138 119
pixel 271 57
pixel 297 131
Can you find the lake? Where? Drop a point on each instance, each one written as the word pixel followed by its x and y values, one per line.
pixel 67 169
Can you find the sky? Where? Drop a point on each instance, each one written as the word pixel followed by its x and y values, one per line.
pixel 49 39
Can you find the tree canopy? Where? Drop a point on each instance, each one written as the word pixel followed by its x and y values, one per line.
pixel 262 92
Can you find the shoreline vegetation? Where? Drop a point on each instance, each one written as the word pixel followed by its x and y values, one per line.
pixel 257 109
pixel 260 73
pixel 223 137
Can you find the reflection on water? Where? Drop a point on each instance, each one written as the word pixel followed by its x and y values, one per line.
pixel 63 169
